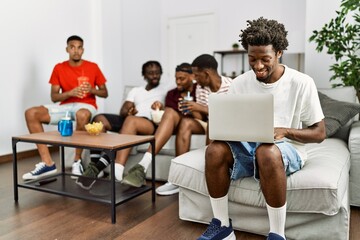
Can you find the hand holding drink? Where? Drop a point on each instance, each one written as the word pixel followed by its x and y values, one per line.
pixel 183 104
pixel 83 83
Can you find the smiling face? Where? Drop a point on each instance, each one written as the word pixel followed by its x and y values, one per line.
pixel 75 50
pixel 264 61
pixel 152 75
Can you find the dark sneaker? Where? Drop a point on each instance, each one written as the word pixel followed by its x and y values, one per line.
pixel 274 236
pixel 41 170
pixel 217 232
pixel 87 180
pixel 135 177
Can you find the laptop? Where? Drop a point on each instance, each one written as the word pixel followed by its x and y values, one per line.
pixel 241 117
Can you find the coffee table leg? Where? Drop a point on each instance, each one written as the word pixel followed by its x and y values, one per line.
pixel 111 155
pixel 16 195
pixel 62 159
pixel 153 170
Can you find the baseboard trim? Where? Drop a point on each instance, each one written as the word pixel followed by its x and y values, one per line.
pixel 25 154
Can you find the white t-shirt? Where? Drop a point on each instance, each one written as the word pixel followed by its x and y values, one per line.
pixel 143 99
pixel 296 100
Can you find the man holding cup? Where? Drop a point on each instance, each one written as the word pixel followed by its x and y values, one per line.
pixel 75 83
pixel 204 68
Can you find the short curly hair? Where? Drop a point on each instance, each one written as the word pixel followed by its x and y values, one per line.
pixel 205 61
pixel 263 32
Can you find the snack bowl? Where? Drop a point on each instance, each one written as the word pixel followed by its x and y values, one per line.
pixel 156 116
pixel 94 128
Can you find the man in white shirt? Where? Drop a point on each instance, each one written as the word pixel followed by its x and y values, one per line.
pixel 134 118
pixel 295 102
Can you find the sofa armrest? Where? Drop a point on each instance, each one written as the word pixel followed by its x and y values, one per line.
pixel 354 139
pixel 354 148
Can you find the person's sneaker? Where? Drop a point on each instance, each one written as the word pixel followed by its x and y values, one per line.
pixel 41 170
pixel 77 169
pixel 274 236
pixel 119 170
pixel 167 189
pixel 87 180
pixel 101 174
pixel 216 232
pixel 135 177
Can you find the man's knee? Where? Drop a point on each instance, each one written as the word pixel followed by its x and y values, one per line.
pixel 30 113
pixel 217 153
pixel 98 118
pixel 83 115
pixel 268 155
pixel 185 125
pixel 35 113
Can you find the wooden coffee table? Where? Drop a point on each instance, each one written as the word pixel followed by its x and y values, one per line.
pixel 111 192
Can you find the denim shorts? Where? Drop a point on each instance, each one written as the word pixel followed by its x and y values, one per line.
pixel 244 159
pixel 57 112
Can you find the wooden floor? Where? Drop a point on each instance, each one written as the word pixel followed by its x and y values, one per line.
pixel 40 215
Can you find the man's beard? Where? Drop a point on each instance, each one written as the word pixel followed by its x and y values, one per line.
pixel 181 89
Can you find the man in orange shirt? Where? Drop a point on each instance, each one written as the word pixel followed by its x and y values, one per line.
pixel 75 84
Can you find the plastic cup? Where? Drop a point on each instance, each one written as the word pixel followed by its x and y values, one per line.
pixel 81 81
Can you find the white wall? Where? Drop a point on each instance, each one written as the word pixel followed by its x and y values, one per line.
pixel 231 17
pixel 33 40
pixel 120 36
pixel 317 64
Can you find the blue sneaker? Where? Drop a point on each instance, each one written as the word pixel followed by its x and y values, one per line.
pixel 41 170
pixel 274 236
pixel 217 232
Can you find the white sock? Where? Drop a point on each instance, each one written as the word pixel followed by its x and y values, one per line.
pixel 119 171
pixel 220 207
pixel 146 160
pixel 277 218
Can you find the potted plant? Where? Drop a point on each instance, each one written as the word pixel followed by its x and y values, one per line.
pixel 341 37
pixel 235 46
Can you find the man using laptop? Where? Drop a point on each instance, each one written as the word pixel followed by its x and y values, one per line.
pixel 295 103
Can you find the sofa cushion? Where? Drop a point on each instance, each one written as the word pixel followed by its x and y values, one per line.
pixel 337 113
pixel 318 188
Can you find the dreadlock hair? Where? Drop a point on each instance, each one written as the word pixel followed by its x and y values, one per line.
pixel 263 32
pixel 150 63
pixel 74 37
pixel 205 61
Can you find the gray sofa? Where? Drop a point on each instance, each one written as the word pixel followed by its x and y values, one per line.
pixel 318 196
pixel 163 158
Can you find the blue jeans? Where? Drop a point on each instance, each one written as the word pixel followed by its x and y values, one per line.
pixel 244 159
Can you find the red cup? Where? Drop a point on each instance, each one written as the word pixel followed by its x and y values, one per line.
pixel 81 81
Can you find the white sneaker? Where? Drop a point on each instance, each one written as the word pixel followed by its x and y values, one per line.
pixel 167 189
pixel 101 174
pixel 77 169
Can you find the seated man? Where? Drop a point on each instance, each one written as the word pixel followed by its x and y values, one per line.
pixel 75 98
pixel 169 123
pixel 296 102
pixel 135 112
pixel 209 81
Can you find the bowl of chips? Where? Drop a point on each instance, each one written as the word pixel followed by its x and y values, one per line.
pixel 94 128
